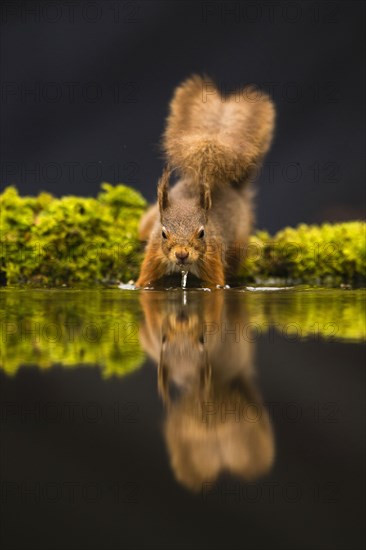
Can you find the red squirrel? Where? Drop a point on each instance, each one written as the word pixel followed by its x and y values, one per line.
pixel 214 143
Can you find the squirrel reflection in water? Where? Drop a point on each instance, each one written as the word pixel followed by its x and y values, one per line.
pixel 215 419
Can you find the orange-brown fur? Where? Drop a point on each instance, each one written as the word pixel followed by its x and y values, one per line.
pixel 218 137
pixel 214 143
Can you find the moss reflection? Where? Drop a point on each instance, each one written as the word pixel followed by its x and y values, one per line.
pixel 44 328
pixel 104 327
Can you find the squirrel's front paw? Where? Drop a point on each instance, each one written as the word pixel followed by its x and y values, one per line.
pixel 142 283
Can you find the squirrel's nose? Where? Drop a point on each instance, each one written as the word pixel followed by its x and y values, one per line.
pixel 182 255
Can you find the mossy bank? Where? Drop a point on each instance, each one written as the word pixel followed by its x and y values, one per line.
pixel 48 241
pixel 53 242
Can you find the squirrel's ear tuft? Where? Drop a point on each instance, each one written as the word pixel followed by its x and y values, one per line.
pixel 163 187
pixel 205 196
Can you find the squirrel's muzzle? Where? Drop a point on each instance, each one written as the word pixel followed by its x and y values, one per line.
pixel 182 256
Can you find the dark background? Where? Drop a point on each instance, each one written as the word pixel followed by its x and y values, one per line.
pixel 86 85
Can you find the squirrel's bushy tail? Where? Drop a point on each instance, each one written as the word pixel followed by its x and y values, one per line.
pixel 214 137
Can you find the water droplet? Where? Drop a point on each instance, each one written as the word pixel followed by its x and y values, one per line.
pixel 184 279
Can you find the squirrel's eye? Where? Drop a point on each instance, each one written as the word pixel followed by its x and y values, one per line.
pixel 164 235
pixel 201 234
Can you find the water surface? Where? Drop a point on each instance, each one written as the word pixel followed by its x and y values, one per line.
pixel 182 418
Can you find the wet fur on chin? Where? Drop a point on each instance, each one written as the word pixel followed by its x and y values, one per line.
pixel 191 268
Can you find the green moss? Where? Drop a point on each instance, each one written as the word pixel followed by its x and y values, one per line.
pixel 47 241
pixel 311 254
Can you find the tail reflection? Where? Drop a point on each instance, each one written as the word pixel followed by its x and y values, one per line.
pixel 215 419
